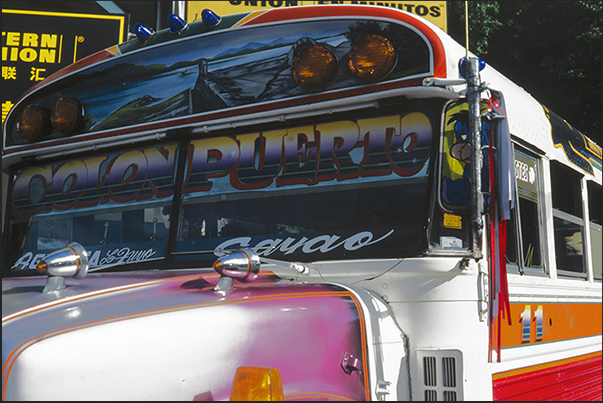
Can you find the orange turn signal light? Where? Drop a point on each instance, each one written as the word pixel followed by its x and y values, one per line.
pixel 372 58
pixel 257 383
pixel 67 115
pixel 34 123
pixel 315 67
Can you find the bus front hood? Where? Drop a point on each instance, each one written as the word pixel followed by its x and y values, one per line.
pixel 169 335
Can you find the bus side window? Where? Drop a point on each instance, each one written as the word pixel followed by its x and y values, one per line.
pixel 524 230
pixel 568 221
pixel 596 221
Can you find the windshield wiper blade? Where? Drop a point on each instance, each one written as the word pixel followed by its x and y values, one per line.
pixel 200 252
pixel 122 263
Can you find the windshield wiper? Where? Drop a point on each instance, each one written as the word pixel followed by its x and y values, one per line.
pixel 122 263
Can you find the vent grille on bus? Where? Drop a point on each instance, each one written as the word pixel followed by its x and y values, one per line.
pixel 429 371
pixel 441 370
pixel 449 372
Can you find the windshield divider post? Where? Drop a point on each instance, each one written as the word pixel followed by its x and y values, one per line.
pixel 176 201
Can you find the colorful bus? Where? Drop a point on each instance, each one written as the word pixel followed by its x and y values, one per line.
pixel 304 203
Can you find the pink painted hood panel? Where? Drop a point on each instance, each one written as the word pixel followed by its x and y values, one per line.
pixel 110 325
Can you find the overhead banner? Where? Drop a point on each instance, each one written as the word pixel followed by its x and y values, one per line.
pixel 433 11
pixel 36 44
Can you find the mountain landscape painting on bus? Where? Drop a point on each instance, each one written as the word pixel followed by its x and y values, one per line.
pixel 128 90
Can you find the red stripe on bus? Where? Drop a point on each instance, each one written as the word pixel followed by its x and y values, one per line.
pixel 578 379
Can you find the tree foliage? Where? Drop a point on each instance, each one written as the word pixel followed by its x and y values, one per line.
pixel 552 49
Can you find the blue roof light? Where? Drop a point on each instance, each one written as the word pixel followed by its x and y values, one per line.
pixel 463 66
pixel 210 19
pixel 176 23
pixel 143 33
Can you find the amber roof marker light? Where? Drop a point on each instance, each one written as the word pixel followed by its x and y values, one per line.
pixel 314 68
pixel 67 115
pixel 34 123
pixel 372 58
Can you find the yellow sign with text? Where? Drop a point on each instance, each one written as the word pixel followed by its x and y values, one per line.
pixel 433 11
pixel 36 44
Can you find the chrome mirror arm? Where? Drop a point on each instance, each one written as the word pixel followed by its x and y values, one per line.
pixel 244 265
pixel 299 267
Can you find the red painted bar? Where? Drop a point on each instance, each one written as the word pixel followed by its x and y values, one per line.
pixel 576 380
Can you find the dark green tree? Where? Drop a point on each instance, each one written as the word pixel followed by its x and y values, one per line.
pixel 486 12
pixel 552 49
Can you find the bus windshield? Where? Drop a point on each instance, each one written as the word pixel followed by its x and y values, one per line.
pixel 347 188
